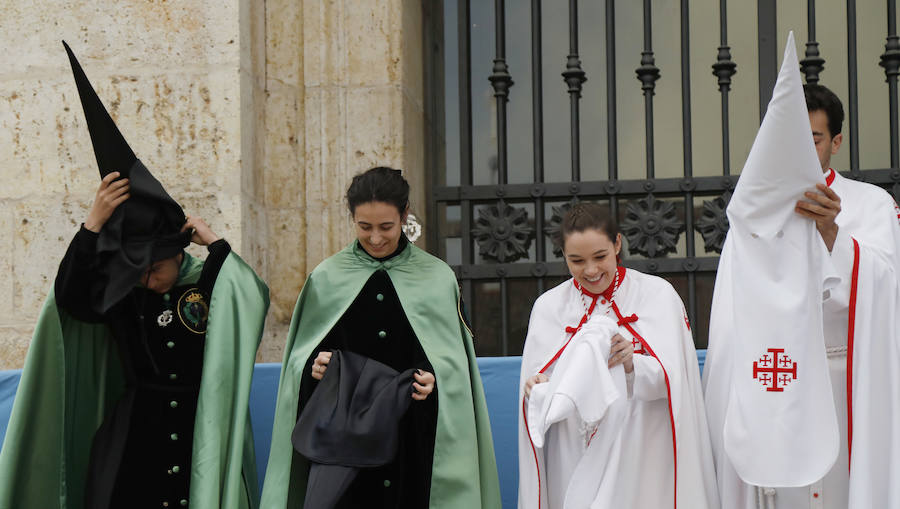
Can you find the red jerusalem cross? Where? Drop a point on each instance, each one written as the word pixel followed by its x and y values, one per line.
pixel 782 370
pixel 638 346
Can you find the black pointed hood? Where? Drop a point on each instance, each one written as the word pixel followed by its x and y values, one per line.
pixel 110 147
pixel 143 229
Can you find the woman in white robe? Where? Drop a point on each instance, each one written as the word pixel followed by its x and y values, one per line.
pixel 588 439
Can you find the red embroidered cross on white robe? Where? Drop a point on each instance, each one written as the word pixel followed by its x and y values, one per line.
pixel 774 370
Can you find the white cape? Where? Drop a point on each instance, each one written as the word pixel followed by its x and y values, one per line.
pixel 660 436
pixel 867 255
pixel 874 365
pixel 870 217
pixel 767 385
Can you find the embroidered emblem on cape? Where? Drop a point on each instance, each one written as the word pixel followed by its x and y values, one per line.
pixel 775 371
pixel 638 347
pixel 164 318
pixel 193 311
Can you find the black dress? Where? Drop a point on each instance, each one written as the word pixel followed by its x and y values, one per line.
pixel 376 326
pixel 141 454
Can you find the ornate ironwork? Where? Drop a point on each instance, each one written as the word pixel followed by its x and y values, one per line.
pixel 890 59
pixel 483 206
pixel 574 75
pixel 502 232
pixel 724 68
pixel 647 73
pixel 501 79
pixel 552 230
pixel 651 226
pixel 713 223
pixel 812 64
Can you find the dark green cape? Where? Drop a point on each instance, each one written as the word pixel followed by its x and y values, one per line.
pixel 73 375
pixel 464 471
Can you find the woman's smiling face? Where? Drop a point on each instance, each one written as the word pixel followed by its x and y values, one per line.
pixel 592 258
pixel 378 227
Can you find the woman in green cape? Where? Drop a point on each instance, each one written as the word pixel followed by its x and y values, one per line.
pixel 396 306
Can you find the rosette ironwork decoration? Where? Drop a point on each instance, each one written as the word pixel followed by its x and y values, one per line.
pixel 651 226
pixel 554 225
pixel 713 223
pixel 502 232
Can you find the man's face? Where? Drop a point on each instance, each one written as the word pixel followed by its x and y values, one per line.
pixel 826 145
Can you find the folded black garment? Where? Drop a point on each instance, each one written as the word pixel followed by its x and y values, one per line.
pixel 351 421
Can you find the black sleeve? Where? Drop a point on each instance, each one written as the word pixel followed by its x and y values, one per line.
pixel 218 251
pixel 77 283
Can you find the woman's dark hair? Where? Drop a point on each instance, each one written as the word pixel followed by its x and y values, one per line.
pixel 819 97
pixel 379 184
pixel 587 216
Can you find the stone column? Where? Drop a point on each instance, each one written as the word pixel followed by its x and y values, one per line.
pixel 343 93
pixel 254 115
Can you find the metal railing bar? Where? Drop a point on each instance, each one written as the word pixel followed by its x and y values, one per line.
pixel 852 88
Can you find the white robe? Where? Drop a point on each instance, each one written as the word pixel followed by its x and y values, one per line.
pixel 663 391
pixel 870 216
pixel 583 399
pixel 768 393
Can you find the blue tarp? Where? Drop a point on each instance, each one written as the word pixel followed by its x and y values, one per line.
pixel 500 376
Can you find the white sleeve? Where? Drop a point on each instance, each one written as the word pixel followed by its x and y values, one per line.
pixel 842 266
pixel 647 382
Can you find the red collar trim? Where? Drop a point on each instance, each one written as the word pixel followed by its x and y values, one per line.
pixel 607 294
pixel 830 177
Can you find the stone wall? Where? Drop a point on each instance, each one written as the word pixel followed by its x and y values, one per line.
pixel 255 115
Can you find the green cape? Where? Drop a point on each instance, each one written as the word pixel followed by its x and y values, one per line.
pixel 464 471
pixel 73 375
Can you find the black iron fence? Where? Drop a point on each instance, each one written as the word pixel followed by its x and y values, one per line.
pixel 497 234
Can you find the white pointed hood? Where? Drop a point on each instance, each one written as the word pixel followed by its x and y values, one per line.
pixel 782 162
pixel 766 337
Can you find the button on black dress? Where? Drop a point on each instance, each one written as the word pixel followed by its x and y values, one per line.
pixel 141 454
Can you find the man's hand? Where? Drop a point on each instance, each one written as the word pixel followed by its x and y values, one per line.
pixel 110 195
pixel 824 209
pixel 201 233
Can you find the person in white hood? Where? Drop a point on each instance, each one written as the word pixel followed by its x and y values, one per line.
pixel 802 379
pixel 843 210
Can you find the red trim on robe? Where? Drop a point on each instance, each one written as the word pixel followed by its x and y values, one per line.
pixel 606 294
pixel 571 331
pixel 851 326
pixel 533 449
pixel 626 321
pixel 829 179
